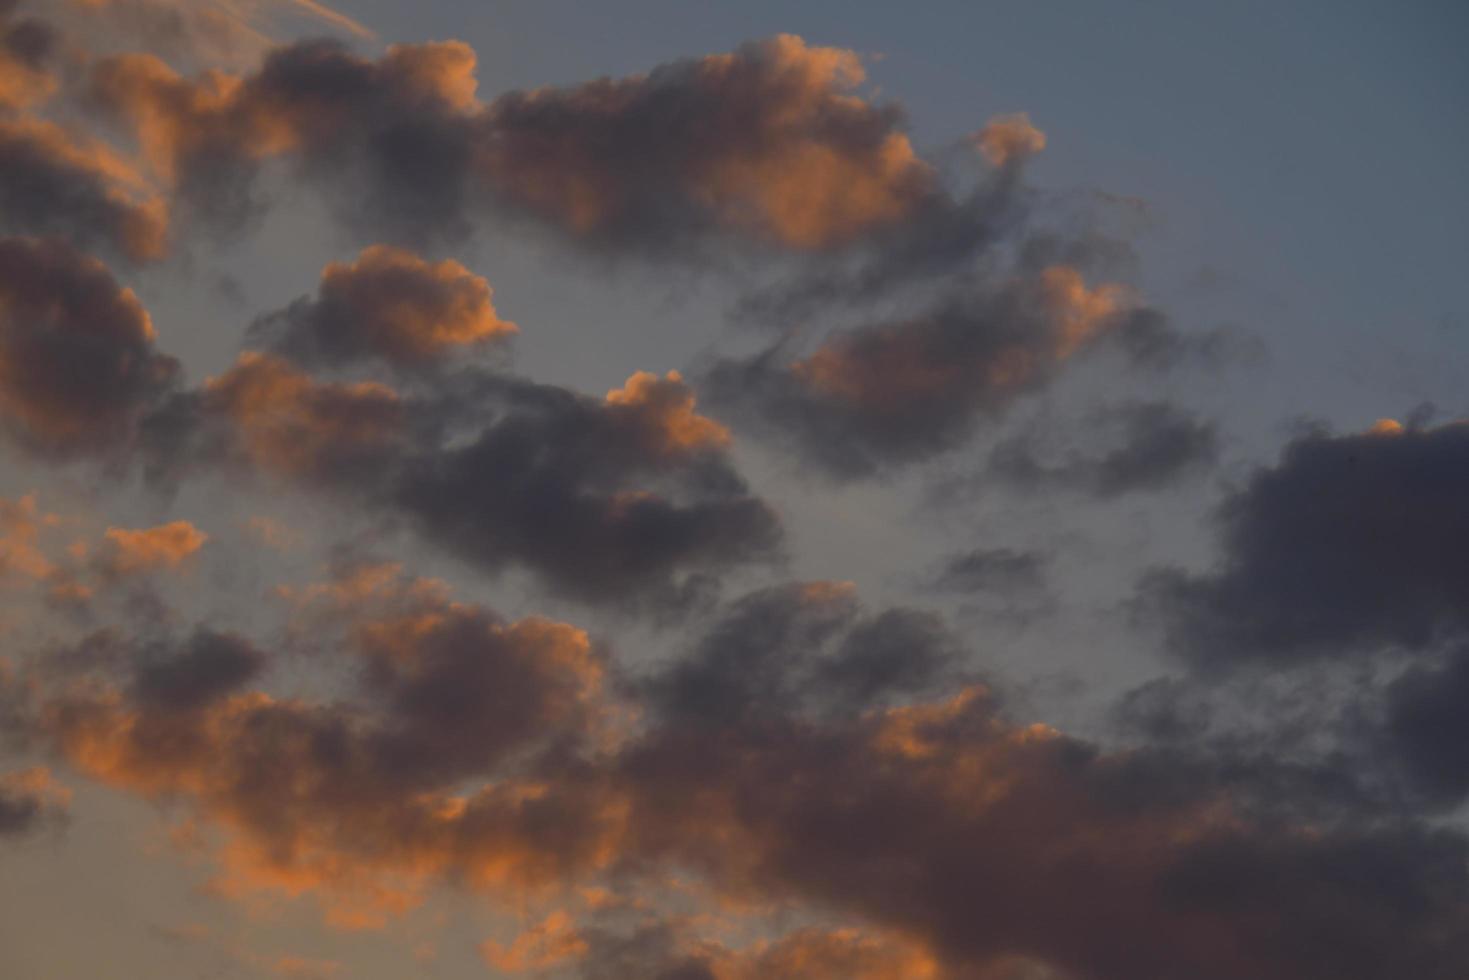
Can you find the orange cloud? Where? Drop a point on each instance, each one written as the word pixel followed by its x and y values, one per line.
pixel 81 188
pixel 291 423
pixel 781 150
pixel 361 839
pixel 893 368
pixel 412 792
pixel 21 522
pixel 390 303
pixel 1078 312
pixel 546 945
pixel 181 122
pixel 77 364
pixel 1009 139
pixel 130 552
pixel 768 143
pixel 662 410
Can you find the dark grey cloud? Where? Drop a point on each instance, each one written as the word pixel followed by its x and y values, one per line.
pixel 77 363
pixel 1001 571
pixel 759 770
pixel 541 488
pixel 629 498
pixel 52 184
pixel 804 649
pixel 764 145
pixel 1144 446
pixel 437 692
pixel 464 688
pixel 1348 543
pixel 901 391
pixel 653 950
pixel 390 129
pixel 1424 727
pixel 991 841
pixel 207 666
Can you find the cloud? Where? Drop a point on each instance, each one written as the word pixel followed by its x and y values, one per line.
pixel 666 950
pixel 388 305
pixel 206 668
pixel 987 842
pixel 130 552
pixel 767 144
pixel 950 840
pixel 77 363
pixel 805 785
pixel 286 421
pixel 52 183
pixel 27 48
pixel 21 524
pixel 1004 571
pixel 30 799
pixel 895 393
pixel 632 497
pixel 361 802
pixel 205 32
pixel 394 123
pixel 1160 445
pixel 803 649
pixel 1006 140
pixel 1424 727
pixel 1347 544
pixel 547 944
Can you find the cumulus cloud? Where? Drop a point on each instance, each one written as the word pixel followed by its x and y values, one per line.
pixel 956 841
pixel 52 183
pixel 767 144
pixel 286 421
pixel 898 392
pixel 77 362
pixel 768 141
pixel 1006 140
pixel 995 842
pixel 205 668
pixel 390 305
pixel 806 786
pixel 632 497
pixel 1348 543
pixel 1424 726
pixel 359 801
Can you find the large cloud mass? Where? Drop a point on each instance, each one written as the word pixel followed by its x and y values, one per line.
pixel 688 771
pixel 77 362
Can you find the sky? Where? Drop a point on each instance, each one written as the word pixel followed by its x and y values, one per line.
pixel 690 491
